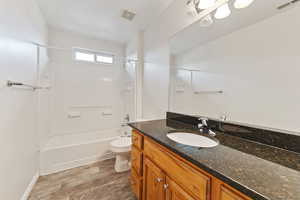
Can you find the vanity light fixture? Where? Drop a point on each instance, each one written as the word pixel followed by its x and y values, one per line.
pixel 204 4
pixel 206 21
pixel 238 4
pixel 207 7
pixel 223 12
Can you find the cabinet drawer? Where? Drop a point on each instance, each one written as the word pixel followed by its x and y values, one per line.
pixel 136 184
pixel 191 180
pixel 175 192
pixel 137 139
pixel 137 160
pixel 230 194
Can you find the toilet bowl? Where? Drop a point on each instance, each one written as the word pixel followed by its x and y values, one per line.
pixel 121 147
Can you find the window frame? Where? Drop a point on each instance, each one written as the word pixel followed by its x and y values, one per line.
pixel 75 51
pixel 95 54
pixel 105 55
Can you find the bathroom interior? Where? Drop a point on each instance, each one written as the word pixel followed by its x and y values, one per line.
pixel 150 100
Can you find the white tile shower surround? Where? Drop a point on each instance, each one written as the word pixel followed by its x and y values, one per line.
pixel 86 102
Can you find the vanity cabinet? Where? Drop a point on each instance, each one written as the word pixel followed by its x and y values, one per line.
pixel 175 192
pixel 159 174
pixel 192 180
pixel 137 140
pixel 137 160
pixel 136 184
pixel 157 185
pixel 137 164
pixel 154 181
pixel 224 192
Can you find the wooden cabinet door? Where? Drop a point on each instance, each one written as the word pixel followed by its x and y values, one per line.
pixel 137 160
pixel 137 140
pixel 175 192
pixel 153 182
pixel 195 182
pixel 136 184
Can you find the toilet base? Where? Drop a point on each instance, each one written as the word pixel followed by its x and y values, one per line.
pixel 122 163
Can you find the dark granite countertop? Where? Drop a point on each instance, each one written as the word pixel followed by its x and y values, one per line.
pixel 260 171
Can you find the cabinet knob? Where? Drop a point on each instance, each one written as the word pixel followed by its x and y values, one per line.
pixel 166 186
pixel 159 179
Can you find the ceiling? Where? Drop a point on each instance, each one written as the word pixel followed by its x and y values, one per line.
pixel 102 18
pixel 196 35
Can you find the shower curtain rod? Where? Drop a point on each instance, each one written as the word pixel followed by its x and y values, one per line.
pixel 53 47
pixel 68 49
pixel 45 46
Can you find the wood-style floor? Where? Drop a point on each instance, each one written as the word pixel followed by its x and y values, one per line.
pixel 97 181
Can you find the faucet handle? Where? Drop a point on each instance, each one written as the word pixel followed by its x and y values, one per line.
pixel 223 117
pixel 203 121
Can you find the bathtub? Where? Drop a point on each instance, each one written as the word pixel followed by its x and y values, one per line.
pixel 68 151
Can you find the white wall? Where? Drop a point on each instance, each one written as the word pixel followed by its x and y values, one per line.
pixel 157 58
pixel 84 89
pixel 43 102
pixel 19 20
pixel 82 84
pixel 258 69
pixel 135 51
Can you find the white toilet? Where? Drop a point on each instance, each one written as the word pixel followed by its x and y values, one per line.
pixel 121 147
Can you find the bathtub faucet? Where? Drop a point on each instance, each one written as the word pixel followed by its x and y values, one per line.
pixel 127 118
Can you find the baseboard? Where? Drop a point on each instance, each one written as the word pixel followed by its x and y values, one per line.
pixel 77 163
pixel 30 186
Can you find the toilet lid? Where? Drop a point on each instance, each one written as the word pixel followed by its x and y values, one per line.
pixel 122 142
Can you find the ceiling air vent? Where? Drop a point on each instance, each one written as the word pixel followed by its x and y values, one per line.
pixel 287 4
pixel 128 15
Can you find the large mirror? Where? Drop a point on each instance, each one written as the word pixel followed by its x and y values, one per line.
pixel 243 68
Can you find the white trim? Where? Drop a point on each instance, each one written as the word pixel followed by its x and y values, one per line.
pixel 69 133
pixel 139 76
pixel 77 163
pixel 47 148
pixel 30 186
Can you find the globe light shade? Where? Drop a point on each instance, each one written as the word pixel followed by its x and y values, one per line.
pixel 242 3
pixel 204 4
pixel 223 12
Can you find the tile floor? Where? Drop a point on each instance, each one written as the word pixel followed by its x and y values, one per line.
pixel 97 181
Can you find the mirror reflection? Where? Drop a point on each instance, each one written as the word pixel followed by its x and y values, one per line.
pixel 242 67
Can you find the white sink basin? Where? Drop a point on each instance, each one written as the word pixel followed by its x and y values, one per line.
pixel 192 140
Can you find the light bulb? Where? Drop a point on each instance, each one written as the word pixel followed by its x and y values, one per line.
pixel 223 12
pixel 204 4
pixel 206 21
pixel 242 3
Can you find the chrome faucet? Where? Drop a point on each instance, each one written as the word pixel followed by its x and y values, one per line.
pixel 203 123
pixel 203 126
